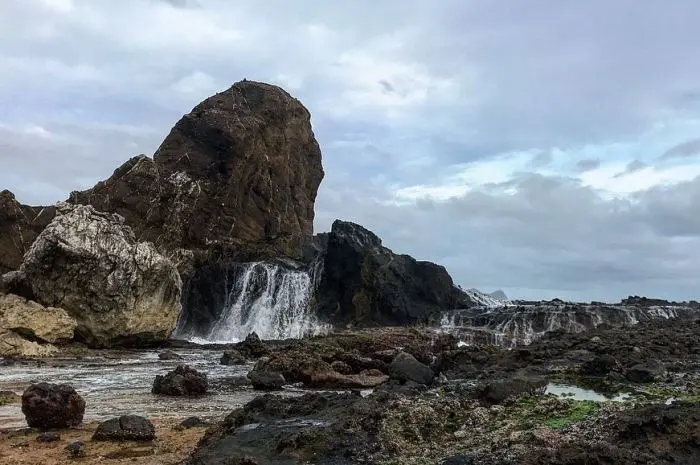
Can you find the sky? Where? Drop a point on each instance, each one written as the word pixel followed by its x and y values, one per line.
pixel 549 149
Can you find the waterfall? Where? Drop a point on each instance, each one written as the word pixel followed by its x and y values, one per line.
pixel 267 298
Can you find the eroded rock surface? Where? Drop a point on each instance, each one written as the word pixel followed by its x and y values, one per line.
pixel 90 264
pixel 52 406
pixel 182 381
pixel 125 428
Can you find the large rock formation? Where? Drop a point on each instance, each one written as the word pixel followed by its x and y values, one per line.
pixel 29 329
pixel 19 226
pixel 236 177
pixel 90 264
pixel 361 282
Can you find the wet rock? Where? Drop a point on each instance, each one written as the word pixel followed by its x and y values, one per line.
pixel 319 374
pixel 169 355
pixel 76 449
pixel 232 357
pixel 230 383
pixel 52 406
pixel 599 366
pixel 266 380
pixel 406 368
pixel 341 367
pixel 496 392
pixel 125 428
pixel 192 422
pixel 644 373
pixel 90 264
pixel 183 381
pixel 252 347
pixel 49 436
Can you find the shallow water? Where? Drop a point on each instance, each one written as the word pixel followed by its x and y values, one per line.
pixel 578 393
pixel 118 383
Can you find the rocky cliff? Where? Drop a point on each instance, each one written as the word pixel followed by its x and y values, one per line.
pixel 19 226
pixel 90 264
pixel 236 178
pixel 361 282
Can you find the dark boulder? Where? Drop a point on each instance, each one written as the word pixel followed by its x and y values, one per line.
pixel 366 284
pixel 169 355
pixel 76 449
pixel 599 366
pixel 252 347
pixel 406 368
pixel 192 422
pixel 52 406
pixel 232 357
pixel 183 381
pixel 266 380
pixel 125 428
pixel 644 372
pixel 499 391
pixel 48 436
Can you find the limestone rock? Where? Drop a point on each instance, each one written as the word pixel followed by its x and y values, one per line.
pixel 364 283
pixel 27 328
pixel 90 264
pixel 50 406
pixel 239 173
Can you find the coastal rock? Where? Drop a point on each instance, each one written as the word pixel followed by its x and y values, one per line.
pixel 125 428
pixel 76 449
pixel 90 264
pixel 19 226
pixel 498 391
pixel 28 328
pixel 266 380
pixel 232 357
pixel 182 381
pixel 644 372
pixel 52 406
pixel 169 355
pixel 252 347
pixel 238 175
pixel 365 283
pixel 48 436
pixel 406 368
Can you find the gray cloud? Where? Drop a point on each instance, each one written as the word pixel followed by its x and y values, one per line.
pixel 685 149
pixel 400 97
pixel 632 167
pixel 587 165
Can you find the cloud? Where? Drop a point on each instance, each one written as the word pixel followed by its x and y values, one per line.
pixel 459 131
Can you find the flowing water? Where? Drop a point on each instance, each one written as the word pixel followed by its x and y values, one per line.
pixel 578 393
pixel 118 383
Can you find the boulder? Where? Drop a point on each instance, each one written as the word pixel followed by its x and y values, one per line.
pixel 266 380
pixel 48 436
pixel 252 347
pixel 182 381
pixel 599 366
pixel 52 406
pixel 644 372
pixel 316 373
pixel 232 357
pixel 125 428
pixel 341 367
pixel 90 264
pixel 192 422
pixel 364 283
pixel 406 368
pixel 498 391
pixel 169 355
pixel 76 449
pixel 27 328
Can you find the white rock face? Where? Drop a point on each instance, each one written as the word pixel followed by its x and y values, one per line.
pixel 23 323
pixel 90 264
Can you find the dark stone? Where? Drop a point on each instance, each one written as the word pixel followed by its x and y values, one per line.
pixel 496 392
pixel 252 347
pixel 125 428
pixel 49 436
pixel 52 406
pixel 266 380
pixel 364 283
pixel 76 449
pixel 192 422
pixel 169 355
pixel 406 368
pixel 183 381
pixel 232 357
pixel 599 366
pixel 644 373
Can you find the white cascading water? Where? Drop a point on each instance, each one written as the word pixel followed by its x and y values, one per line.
pixel 268 299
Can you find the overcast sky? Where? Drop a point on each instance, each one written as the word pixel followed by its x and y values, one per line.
pixel 547 148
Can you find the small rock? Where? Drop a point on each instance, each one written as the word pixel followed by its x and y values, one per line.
pixel 52 406
pixel 406 368
pixel 252 347
pixel 50 436
pixel 21 444
pixel 76 449
pixel 596 339
pixel 183 381
pixel 125 428
pixel 341 367
pixel 266 380
pixel 192 422
pixel 169 355
pixel 232 357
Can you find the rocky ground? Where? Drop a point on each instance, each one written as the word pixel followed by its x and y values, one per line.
pixel 414 396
